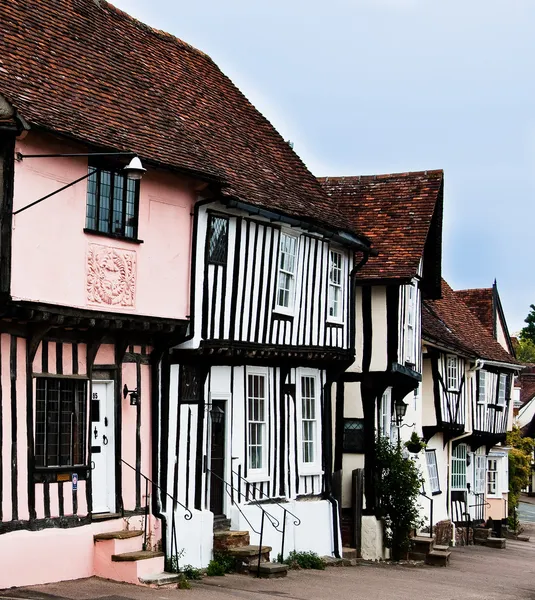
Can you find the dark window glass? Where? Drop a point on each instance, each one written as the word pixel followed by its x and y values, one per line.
pixel 353 435
pixel 217 240
pixel 112 202
pixel 189 384
pixel 60 422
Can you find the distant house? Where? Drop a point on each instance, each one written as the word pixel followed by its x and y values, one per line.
pixel 467 410
pixel 228 251
pixel 402 215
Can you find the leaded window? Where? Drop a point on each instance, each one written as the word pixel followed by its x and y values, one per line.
pixel 256 419
pixel 60 422
pixel 458 467
pixel 308 418
pixel 189 384
pixel 112 202
pixel 217 240
pixel 335 284
pixel 287 271
pixel 353 436
pixel 432 471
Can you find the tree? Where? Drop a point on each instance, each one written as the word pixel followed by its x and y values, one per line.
pixel 528 332
pixel 398 485
pixel 520 458
pixel 525 350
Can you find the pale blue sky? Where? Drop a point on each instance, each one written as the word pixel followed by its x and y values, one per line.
pixel 378 86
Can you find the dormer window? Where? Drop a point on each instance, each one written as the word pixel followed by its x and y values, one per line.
pixel 335 285
pixel 112 203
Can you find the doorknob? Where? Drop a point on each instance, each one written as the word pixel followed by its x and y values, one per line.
pixel 104 440
pixel 105 421
pixel 95 432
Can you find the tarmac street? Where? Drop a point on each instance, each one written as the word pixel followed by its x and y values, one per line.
pixel 475 573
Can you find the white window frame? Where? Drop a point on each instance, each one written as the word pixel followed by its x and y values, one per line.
pixel 452 368
pixel 385 414
pixel 480 469
pixel 257 473
pixel 310 467
pixel 458 468
pixel 482 387
pixel 432 471
pixel 336 287
pixel 502 390
pixel 291 274
pixel 492 476
pixel 410 323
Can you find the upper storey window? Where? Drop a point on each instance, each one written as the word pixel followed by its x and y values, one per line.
pixel 502 386
pixel 217 240
pixel 452 373
pixel 112 203
pixel 410 324
pixel 335 285
pixel 287 271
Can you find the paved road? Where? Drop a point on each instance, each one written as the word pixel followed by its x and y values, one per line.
pixel 475 573
pixel 526 512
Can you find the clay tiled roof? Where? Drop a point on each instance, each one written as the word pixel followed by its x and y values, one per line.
pixel 480 302
pixel 395 212
pixel 87 70
pixel 527 389
pixel 450 323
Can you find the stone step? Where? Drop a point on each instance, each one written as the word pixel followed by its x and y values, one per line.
pixel 268 570
pixel 349 553
pixel 417 555
pixel 138 555
pixel 248 551
pixel 481 533
pixel 494 542
pixel 221 524
pixel 422 544
pixel 129 567
pixel 227 540
pixel 160 579
pixel 117 535
pixel 438 558
pixel 440 548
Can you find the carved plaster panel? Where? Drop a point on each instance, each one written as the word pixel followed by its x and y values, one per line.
pixel 111 276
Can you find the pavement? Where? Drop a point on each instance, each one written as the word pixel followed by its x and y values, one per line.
pixel 475 573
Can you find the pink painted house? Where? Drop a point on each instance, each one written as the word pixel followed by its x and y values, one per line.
pixel 96 270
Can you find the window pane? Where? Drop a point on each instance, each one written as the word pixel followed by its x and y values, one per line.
pixel 256 401
pixel 104 193
pixel 91 208
pixel 117 218
pixel 218 239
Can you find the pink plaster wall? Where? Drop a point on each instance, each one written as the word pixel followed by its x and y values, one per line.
pixel 50 249
pixel 5 454
pixel 129 437
pixel 22 436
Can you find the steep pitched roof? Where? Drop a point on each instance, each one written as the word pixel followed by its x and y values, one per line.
pixel 450 323
pixel 395 211
pixel 86 70
pixel 480 302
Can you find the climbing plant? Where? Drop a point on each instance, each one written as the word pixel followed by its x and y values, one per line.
pixel 398 485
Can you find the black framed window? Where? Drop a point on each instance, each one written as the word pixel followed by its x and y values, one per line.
pixel 189 384
pixel 353 436
pixel 112 202
pixel 217 240
pixel 60 422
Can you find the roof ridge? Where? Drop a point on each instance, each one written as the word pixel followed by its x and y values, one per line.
pixel 379 176
pixel 486 289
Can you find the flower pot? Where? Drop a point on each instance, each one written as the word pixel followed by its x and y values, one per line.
pixel 414 448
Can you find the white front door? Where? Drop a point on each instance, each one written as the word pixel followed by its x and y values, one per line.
pixel 102 447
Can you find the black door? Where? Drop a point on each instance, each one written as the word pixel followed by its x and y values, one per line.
pixel 217 459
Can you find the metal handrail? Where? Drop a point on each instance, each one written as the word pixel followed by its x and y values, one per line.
pixel 297 520
pixel 188 516
pixel 431 502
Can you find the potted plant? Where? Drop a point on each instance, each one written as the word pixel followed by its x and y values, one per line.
pixel 414 443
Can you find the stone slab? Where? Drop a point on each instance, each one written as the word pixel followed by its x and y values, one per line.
pixel 161 579
pixel 132 556
pixel 117 535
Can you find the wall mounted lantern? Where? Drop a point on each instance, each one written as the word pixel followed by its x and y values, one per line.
pixel 401 411
pixel 134 397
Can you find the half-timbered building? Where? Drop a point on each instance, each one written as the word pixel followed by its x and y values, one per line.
pixel 402 215
pixel 467 410
pixel 227 250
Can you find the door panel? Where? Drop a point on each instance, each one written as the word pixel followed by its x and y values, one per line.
pixel 102 447
pixel 217 463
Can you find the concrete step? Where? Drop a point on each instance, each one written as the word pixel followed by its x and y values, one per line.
pixel 268 570
pixel 438 558
pixel 228 540
pixel 493 542
pixel 130 567
pixel 349 553
pixel 159 580
pixel 112 543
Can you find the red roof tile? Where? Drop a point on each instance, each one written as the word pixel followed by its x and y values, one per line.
pixel 450 323
pixel 480 302
pixel 87 70
pixel 394 211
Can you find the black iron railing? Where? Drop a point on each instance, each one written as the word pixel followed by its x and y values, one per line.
pixel 275 522
pixel 173 554
pixel 431 502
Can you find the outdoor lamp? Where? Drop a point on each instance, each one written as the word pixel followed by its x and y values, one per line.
pixel 134 169
pixel 401 410
pixel 134 396
pixel 217 414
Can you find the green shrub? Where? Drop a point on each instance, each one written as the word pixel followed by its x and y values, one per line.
pixel 303 560
pixel 228 562
pixel 191 573
pixel 215 569
pixel 183 583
